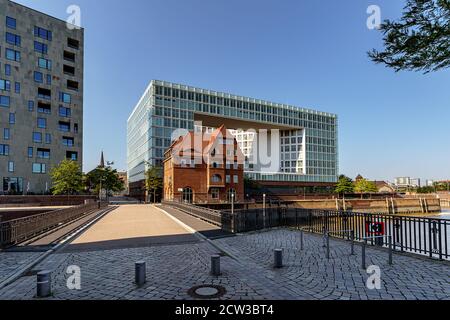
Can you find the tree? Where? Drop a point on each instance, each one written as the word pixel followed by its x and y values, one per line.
pixel 67 178
pixel 364 186
pixel 420 40
pixel 106 177
pixel 154 181
pixel 344 185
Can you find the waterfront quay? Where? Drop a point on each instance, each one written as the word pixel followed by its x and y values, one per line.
pixel 176 248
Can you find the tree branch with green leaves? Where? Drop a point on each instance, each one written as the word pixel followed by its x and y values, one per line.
pixel 419 40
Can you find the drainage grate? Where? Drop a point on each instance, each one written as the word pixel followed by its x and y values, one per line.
pixel 207 292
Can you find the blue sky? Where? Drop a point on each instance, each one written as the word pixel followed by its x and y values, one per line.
pixel 309 53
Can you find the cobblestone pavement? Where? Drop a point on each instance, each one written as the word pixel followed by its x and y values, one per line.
pixel 173 269
pixel 171 272
pixel 11 262
pixel 341 277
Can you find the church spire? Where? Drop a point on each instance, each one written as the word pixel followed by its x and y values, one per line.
pixel 102 161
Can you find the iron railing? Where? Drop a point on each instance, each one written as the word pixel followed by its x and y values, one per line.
pixel 221 219
pixel 426 236
pixel 16 231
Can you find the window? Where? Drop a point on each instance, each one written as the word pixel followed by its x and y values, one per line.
pixel 44 94
pixel 7 69
pixel 71 155
pixel 43 33
pixel 30 105
pixel 231 195
pixel 75 127
pixel 39 168
pixel 216 178
pixel 6 134
pixel 49 79
pixel 38 77
pixel 5 101
pixel 42 123
pixel 10 166
pixel 48 138
pixel 69 70
pixel 12 55
pixel 72 43
pixel 215 193
pixel 13 39
pixel 44 108
pixel 228 179
pixel 65 97
pixel 64 126
pixel 11 23
pixel 68 142
pixel 37 137
pixel 5 85
pixel 64 112
pixel 43 153
pixel 17 87
pixel 30 152
pixel 4 150
pixel 12 118
pixel 45 63
pixel 69 56
pixel 72 85
pixel 40 47
pixel 188 195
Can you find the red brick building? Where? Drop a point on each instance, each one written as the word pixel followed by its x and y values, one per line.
pixel 204 168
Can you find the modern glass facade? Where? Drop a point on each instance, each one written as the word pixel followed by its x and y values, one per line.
pixel 165 107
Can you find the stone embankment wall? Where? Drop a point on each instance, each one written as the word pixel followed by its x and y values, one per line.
pixel 388 205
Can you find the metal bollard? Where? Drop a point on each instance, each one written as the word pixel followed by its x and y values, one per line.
pixel 390 250
pixel 324 232
pixel 140 273
pixel 352 234
pixel 215 265
pixel 328 246
pixel 278 257
pixel 301 240
pixel 44 284
pixel 363 256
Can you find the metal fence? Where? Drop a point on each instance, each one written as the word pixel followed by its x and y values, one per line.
pixel 19 230
pixel 215 217
pixel 426 236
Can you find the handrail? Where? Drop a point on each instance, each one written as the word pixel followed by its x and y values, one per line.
pixel 22 229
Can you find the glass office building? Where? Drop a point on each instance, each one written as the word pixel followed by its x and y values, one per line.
pixel 308 139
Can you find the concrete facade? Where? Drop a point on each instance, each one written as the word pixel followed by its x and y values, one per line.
pixel 41 123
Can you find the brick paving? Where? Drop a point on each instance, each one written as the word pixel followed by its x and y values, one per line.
pixel 11 262
pixel 174 268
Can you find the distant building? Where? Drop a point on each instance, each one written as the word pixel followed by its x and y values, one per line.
pixel 123 176
pixel 203 167
pixel 407 182
pixel 385 187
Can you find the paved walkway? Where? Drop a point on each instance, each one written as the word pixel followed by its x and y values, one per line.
pixel 175 267
pixel 131 226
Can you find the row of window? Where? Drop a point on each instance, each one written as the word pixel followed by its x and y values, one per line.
pixel 226 102
pixel 40 152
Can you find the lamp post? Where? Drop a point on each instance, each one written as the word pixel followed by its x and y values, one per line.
pixel 264 210
pixel 232 203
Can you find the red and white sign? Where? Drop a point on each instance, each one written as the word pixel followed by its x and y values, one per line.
pixel 375 228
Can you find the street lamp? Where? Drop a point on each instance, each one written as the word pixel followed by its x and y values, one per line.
pixel 232 203
pixel 264 210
